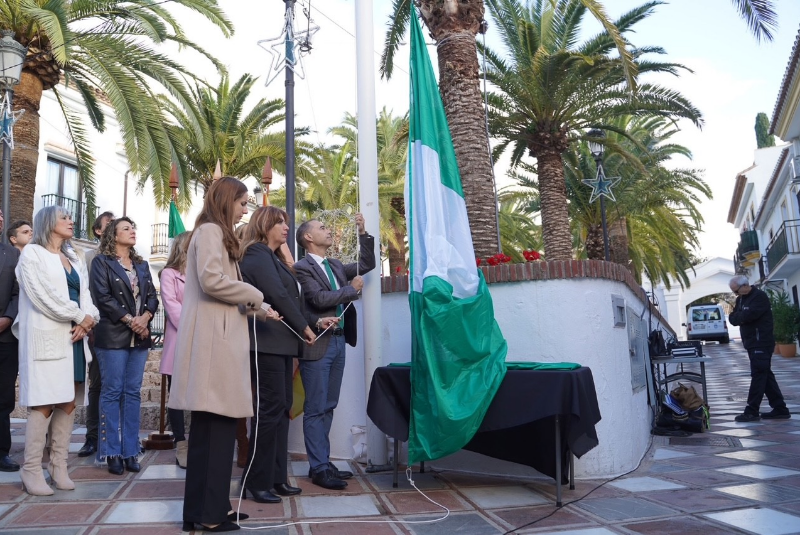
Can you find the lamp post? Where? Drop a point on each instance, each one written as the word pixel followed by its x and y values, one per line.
pixel 601 186
pixel 12 57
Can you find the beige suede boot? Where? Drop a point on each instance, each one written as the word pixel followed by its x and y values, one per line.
pixel 31 473
pixel 61 432
pixel 181 451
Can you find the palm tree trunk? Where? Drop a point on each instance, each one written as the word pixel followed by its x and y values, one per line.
pixel 595 249
pixel 454 25
pixel 25 156
pixel 555 220
pixel 618 242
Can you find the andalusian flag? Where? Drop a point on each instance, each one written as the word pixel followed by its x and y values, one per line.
pixel 458 351
pixel 175 224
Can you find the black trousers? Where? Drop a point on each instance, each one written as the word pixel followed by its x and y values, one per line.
pixel 9 366
pixel 274 383
pixel 762 381
pixel 209 466
pixel 93 408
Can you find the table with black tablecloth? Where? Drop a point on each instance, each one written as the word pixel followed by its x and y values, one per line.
pixel 539 418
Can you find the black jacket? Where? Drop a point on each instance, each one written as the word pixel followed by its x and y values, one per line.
pixel 264 270
pixel 753 314
pixel 113 296
pixel 9 289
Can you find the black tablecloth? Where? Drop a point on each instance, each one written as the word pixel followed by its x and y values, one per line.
pixel 520 423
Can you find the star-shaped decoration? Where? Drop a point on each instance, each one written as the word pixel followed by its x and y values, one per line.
pixel 7 119
pixel 601 185
pixel 283 49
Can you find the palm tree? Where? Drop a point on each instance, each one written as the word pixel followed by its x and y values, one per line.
pixel 239 139
pixel 656 209
pixel 518 229
pixel 107 48
pixel 392 134
pixel 759 15
pixel 454 25
pixel 550 90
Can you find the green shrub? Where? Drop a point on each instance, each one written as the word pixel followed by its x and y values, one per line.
pixel 786 317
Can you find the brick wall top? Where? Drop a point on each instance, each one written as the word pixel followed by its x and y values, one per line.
pixel 542 271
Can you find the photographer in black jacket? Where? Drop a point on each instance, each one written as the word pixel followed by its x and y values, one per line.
pixel 753 314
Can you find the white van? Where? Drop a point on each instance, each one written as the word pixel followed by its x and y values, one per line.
pixel 707 322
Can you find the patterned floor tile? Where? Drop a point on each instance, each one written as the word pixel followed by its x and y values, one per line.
pixel 763 492
pixel 644 484
pixel 671 526
pixel 760 471
pixel 497 497
pixel 149 512
pixel 337 506
pixel 462 524
pixel 760 521
pixel 623 508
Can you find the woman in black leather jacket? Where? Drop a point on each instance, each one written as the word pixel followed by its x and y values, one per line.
pixel 123 291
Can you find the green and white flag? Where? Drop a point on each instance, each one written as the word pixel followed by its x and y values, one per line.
pixel 458 351
pixel 175 224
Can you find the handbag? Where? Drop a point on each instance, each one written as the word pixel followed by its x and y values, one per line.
pixel 687 397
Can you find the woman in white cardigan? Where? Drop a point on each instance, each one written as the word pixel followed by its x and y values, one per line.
pixel 48 324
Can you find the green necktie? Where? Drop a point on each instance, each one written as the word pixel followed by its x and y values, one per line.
pixel 332 280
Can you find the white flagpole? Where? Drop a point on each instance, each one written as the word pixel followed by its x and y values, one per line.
pixel 368 193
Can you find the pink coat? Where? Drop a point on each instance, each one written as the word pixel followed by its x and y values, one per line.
pixel 172 283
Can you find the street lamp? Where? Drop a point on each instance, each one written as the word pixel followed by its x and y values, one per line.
pixel 601 186
pixel 12 57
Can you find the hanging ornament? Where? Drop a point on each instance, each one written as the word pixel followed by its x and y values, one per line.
pixel 283 49
pixel 601 185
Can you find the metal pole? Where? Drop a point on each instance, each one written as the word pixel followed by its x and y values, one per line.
pixel 605 227
pixel 368 193
pixel 290 130
pixel 6 206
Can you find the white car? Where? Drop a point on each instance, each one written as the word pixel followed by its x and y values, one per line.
pixel 707 322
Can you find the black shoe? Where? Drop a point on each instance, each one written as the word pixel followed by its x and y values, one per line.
pixel 242 516
pixel 89 448
pixel 225 526
pixel 132 465
pixel 283 489
pixel 261 496
pixel 747 417
pixel 326 480
pixel 776 414
pixel 115 466
pixel 7 464
pixel 338 474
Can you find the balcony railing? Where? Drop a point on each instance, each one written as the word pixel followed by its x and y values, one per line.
pixel 78 212
pixel 785 242
pixel 160 243
pixel 748 245
pixel 157 326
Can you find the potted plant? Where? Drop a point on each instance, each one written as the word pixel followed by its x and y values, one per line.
pixel 786 319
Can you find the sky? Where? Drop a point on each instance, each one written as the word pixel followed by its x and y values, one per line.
pixel 734 77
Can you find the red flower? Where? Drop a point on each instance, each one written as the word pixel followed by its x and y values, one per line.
pixel 478 262
pixel 398 269
pixel 492 260
pixel 530 256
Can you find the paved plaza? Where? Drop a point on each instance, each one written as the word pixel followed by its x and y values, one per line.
pixel 746 480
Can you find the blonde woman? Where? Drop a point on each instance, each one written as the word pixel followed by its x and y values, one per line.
pixel 55 316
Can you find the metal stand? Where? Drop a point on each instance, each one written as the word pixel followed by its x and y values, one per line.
pixel 160 440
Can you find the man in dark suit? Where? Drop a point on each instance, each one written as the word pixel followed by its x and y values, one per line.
pixel 9 363
pixel 328 286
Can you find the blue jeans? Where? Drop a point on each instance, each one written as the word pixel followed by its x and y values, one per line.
pixel 322 381
pixel 121 373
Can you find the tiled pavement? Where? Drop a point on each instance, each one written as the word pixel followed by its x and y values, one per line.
pixel 749 485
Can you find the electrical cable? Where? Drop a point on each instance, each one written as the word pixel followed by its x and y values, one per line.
pixel 309 522
pixel 557 509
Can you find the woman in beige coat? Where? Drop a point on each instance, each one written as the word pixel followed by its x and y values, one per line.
pixel 211 370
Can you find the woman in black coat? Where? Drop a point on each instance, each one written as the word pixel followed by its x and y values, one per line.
pixel 123 291
pixel 264 266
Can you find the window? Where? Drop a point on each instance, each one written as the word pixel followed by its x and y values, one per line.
pixel 64 188
pixel 771 235
pixel 752 212
pixel 784 211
